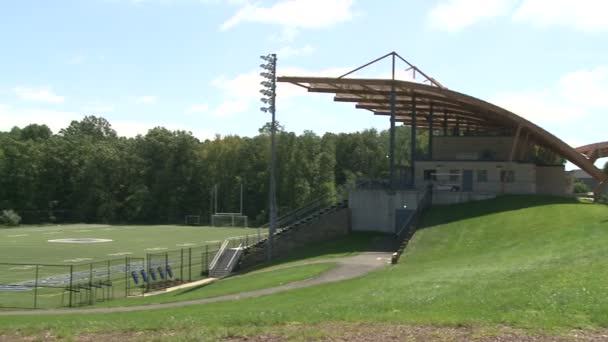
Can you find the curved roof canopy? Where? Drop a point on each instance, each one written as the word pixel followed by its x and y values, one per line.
pixel 594 151
pixel 456 108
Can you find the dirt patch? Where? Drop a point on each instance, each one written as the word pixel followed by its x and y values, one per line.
pixel 335 332
pixel 52 337
pixel 389 333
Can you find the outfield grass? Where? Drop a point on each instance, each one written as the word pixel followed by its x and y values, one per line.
pixel 522 261
pixel 30 244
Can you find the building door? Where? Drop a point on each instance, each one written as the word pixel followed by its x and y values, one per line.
pixel 467 180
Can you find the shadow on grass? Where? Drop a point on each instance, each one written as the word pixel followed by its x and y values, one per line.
pixel 351 244
pixel 192 289
pixel 450 213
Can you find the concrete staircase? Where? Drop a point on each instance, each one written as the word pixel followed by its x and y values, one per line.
pixel 226 262
pixel 295 225
pixel 319 225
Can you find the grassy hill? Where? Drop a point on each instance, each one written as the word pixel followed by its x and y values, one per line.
pixel 520 261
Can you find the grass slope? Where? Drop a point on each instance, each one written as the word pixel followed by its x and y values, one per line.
pixel 248 282
pixel 522 261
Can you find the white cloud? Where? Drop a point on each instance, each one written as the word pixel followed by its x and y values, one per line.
pixel 231 107
pixel 295 14
pixel 587 88
pixel 583 15
pixel 146 99
pixel 229 2
pixel 97 107
pixel 287 35
pixel 245 85
pixel 574 95
pixel 129 128
pixel 197 109
pixel 242 92
pixel 78 59
pixel 38 95
pixel 289 51
pixel 237 93
pixel 56 120
pixel 21 117
pixel 455 15
pixel 538 106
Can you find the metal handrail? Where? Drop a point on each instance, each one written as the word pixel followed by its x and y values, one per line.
pixel 233 256
pixel 304 210
pixel 218 254
pixel 406 225
pixel 422 204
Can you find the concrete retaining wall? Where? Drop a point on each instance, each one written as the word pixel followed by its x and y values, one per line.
pixel 443 197
pixel 374 210
pixel 326 227
pixel 552 180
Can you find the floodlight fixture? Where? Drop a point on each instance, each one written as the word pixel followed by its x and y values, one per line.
pixel 268 75
pixel 267 92
pixel 267 66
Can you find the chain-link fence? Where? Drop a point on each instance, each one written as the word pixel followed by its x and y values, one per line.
pixel 33 286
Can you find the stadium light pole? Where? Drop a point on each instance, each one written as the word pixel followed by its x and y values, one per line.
pixel 269 87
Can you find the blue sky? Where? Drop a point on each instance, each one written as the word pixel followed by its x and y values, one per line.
pixel 193 64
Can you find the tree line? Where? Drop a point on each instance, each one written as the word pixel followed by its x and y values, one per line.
pixel 87 173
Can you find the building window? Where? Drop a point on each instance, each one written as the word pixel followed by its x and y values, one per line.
pixel 482 176
pixel 454 175
pixel 507 176
pixel 430 175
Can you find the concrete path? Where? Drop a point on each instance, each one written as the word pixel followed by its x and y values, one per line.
pixel 348 268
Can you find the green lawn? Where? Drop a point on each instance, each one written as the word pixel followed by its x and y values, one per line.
pixel 242 283
pixel 30 244
pixel 521 261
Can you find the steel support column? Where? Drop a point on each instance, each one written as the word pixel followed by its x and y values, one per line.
pixel 431 114
pixel 391 152
pixel 413 142
pixel 445 123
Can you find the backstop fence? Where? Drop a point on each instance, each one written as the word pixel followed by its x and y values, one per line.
pixel 45 286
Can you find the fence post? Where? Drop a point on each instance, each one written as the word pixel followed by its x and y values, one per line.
pixel 181 265
pixel 90 283
pixel 71 284
pixel 36 289
pixel 190 264
pixel 166 259
pixel 207 258
pixel 127 283
pixel 203 262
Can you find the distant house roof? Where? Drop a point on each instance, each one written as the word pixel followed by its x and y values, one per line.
pixel 580 174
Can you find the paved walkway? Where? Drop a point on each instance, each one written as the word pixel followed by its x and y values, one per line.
pixel 348 267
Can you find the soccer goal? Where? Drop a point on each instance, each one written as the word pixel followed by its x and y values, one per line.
pixel 192 220
pixel 228 220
